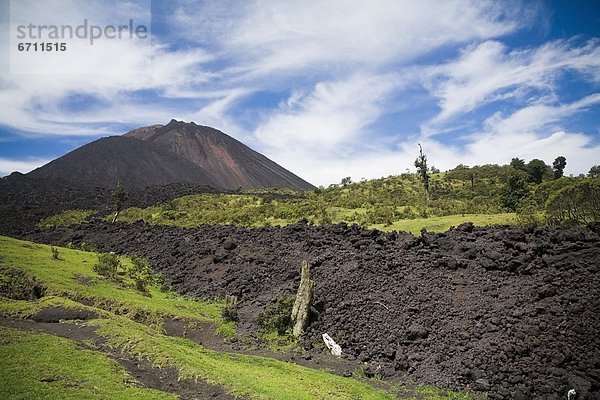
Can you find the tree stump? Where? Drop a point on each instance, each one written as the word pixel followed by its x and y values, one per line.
pixel 231 301
pixel 303 302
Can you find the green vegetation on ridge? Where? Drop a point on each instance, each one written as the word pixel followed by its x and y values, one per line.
pixel 530 193
pixel 376 203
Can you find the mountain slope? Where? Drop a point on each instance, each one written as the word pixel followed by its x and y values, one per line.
pixel 228 162
pixel 125 160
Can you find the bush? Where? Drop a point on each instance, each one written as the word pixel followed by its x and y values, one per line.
pixel 277 315
pixel 528 215
pixel 575 204
pixel 17 285
pixel 55 253
pixel 108 265
pixel 141 273
pixel 67 218
pixel 515 190
pixel 88 247
pixel 230 313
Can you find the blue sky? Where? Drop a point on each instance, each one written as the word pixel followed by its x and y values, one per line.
pixel 327 89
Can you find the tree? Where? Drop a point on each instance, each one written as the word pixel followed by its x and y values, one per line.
pixel 422 170
pixel 575 204
pixel 120 196
pixel 537 169
pixel 515 190
pixel 594 172
pixel 518 164
pixel 346 181
pixel 464 173
pixel 559 166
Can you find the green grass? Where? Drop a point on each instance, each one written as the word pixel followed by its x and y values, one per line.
pixel 371 203
pixel 395 202
pixel 26 309
pixel 367 203
pixel 442 224
pixel 433 393
pixel 39 366
pixel 255 377
pixel 252 376
pixel 65 277
pixel 66 218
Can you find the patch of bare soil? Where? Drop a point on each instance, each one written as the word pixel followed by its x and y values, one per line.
pixel 511 312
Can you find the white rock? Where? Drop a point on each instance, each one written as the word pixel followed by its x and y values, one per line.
pixel 335 348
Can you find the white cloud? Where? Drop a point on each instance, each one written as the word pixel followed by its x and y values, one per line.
pixel 331 116
pixel 530 132
pixel 536 117
pixel 288 37
pixel 535 132
pixel 114 71
pixel 8 166
pixel 346 65
pixel 489 72
pixel 256 43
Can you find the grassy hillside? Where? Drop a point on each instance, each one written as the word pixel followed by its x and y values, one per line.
pixel 40 366
pixel 396 202
pixel 483 195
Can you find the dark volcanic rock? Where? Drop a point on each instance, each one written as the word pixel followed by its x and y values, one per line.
pixel 174 153
pixel 520 330
pixel 125 160
pixel 228 163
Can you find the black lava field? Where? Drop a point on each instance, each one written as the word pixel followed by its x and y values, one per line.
pixel 510 311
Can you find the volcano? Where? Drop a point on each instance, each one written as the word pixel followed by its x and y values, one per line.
pixel 228 163
pixel 174 153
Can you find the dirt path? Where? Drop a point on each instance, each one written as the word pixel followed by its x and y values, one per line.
pixel 164 379
pixel 205 336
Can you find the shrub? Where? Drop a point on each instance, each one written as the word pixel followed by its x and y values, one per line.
pixel 108 265
pixel 528 215
pixel 55 253
pixel 164 287
pixel 515 190
pixel 277 315
pixel 17 285
pixel 141 273
pixel 85 246
pixel 575 204
pixel 67 218
pixel 230 313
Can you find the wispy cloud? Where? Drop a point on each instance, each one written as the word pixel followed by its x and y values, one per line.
pixel 538 117
pixel 25 165
pixel 489 72
pixel 332 115
pixel 262 38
